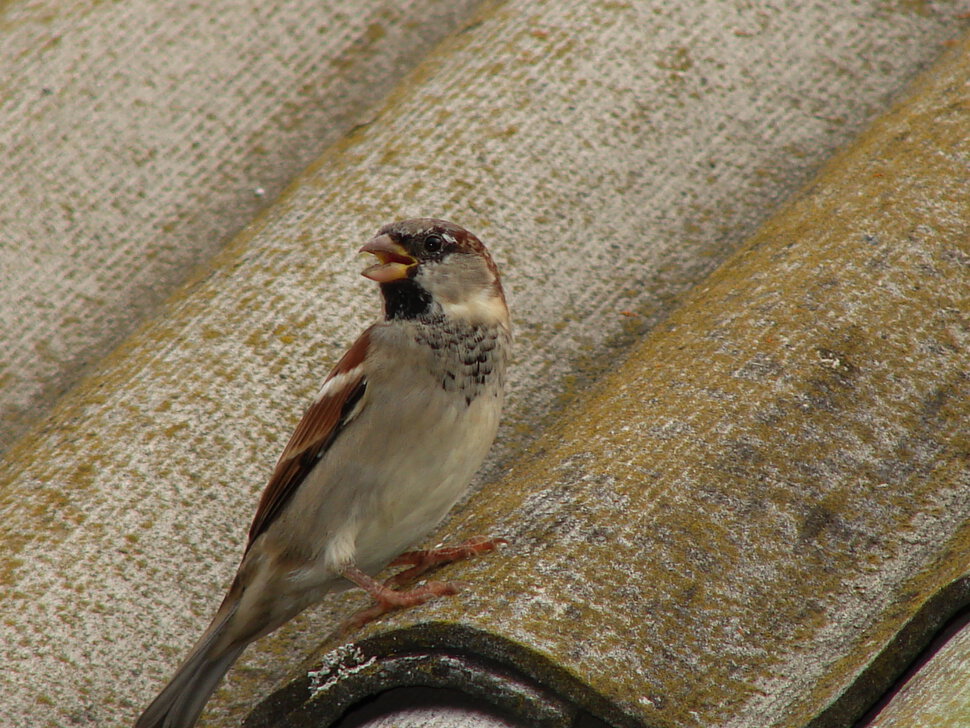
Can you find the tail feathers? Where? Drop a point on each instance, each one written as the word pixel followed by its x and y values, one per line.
pixel 181 701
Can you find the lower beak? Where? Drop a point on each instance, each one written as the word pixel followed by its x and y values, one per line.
pixel 394 261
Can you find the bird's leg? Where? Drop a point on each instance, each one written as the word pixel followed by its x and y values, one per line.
pixel 421 561
pixel 389 599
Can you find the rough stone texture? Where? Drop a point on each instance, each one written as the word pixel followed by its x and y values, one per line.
pixel 738 522
pixel 610 155
pixel 137 137
pixel 426 708
pixel 938 696
pixel 437 718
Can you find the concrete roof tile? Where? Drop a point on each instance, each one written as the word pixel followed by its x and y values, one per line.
pixel 609 170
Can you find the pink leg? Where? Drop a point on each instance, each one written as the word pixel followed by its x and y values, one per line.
pixel 421 561
pixel 389 599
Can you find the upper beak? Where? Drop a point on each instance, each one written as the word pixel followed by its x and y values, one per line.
pixel 395 263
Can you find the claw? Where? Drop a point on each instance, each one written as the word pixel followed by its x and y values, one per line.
pixel 425 559
pixel 387 598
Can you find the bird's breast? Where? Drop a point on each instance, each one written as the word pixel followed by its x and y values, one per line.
pixel 448 411
pixel 469 359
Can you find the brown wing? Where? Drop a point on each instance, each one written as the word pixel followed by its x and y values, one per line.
pixel 320 425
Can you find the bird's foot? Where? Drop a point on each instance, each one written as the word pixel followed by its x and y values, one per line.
pixel 425 559
pixel 389 600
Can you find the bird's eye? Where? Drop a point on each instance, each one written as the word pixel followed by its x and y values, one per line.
pixel 434 243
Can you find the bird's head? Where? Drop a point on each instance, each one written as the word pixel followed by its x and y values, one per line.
pixel 428 267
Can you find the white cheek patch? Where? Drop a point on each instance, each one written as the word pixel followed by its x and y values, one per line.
pixel 484 306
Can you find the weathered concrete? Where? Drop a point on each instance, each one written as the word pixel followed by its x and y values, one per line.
pixel 611 156
pixel 136 138
pixel 938 696
pixel 736 524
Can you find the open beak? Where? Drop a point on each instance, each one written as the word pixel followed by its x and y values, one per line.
pixel 393 264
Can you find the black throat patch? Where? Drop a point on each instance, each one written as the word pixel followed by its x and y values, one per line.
pixel 405 299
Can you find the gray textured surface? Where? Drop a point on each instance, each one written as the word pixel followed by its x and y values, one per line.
pixel 137 137
pixel 936 697
pixel 610 155
pixel 437 718
pixel 736 524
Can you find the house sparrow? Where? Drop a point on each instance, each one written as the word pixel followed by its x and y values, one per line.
pixel 390 443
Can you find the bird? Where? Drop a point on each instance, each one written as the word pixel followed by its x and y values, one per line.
pixel 389 444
